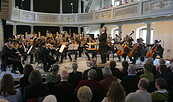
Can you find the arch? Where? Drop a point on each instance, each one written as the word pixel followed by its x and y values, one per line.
pixel 138 33
pixel 112 32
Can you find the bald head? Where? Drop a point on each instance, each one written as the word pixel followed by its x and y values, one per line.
pixel 131 69
pixel 143 84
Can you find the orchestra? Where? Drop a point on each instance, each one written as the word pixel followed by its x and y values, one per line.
pixel 54 48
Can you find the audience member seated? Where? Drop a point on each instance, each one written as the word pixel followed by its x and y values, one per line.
pixel 161 94
pixel 130 81
pixel 36 89
pixel 75 76
pixel 50 98
pixel 169 77
pixel 115 93
pixel 93 85
pixel 147 72
pixel 115 71
pixel 106 82
pixel 64 91
pixel 150 61
pixel 3 100
pixel 84 94
pixel 163 70
pixel 7 91
pixel 53 77
pixel 24 80
pixel 140 95
pixel 99 76
pixel 125 65
pixel 162 61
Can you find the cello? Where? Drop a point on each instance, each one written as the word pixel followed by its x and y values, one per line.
pixel 152 51
pixel 130 54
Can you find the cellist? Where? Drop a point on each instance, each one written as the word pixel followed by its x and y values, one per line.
pixel 156 49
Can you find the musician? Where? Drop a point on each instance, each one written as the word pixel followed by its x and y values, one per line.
pixel 93 52
pixel 46 58
pixel 10 55
pixel 70 52
pixel 82 44
pixel 103 47
pixel 159 49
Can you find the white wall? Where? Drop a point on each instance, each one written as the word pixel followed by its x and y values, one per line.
pixel 163 31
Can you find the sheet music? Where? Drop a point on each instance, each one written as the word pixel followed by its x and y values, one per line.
pixel 29 49
pixel 62 48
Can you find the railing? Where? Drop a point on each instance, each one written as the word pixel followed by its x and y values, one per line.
pixel 137 10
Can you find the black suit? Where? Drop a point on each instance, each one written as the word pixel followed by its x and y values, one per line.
pixel 64 92
pixel 75 77
pixel 116 72
pixel 130 83
pixel 103 47
pixel 35 91
pixel 46 58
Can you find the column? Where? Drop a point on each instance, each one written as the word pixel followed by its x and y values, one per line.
pixel 31 5
pixel 120 30
pixel 61 29
pixel 79 31
pixel 60 6
pixel 1 36
pixel 148 38
pixel 32 29
pixel 79 6
pixel 101 3
pixel 14 29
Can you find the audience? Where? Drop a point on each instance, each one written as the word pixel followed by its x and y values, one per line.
pixel 99 76
pixel 24 80
pixel 140 95
pixel 124 71
pixel 36 89
pixel 116 93
pixel 163 70
pixel 7 91
pixel 75 76
pixel 93 85
pixel 115 71
pixel 84 94
pixel 147 72
pixel 64 91
pixel 169 76
pixel 53 77
pixel 106 82
pixel 161 94
pixel 3 100
pixel 162 61
pixel 130 81
pixel 150 61
pixel 50 98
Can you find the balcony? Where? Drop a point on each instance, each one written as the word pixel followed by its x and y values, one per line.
pixel 138 10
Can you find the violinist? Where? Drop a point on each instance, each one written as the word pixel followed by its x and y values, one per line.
pixel 11 55
pixel 93 52
pixel 45 57
pixel 70 52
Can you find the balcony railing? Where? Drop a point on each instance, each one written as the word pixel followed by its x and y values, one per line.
pixel 137 10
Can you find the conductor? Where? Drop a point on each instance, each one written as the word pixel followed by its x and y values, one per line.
pixel 103 47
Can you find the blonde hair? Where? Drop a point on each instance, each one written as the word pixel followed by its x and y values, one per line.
pixel 84 94
pixel 116 92
pixel 3 100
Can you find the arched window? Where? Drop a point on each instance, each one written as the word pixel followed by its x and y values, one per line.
pixel 141 32
pixel 114 31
